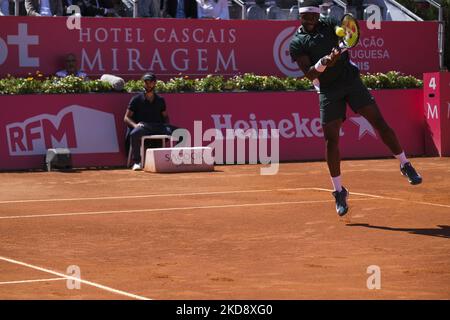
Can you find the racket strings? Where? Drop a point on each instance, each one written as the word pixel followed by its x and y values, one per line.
pixel 351 31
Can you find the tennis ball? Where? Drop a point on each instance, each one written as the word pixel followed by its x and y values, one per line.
pixel 340 32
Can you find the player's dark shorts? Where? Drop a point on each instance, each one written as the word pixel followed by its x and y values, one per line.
pixel 333 102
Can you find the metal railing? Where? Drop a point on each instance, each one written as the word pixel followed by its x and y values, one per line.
pixel 440 32
pixel 135 8
pixel 441 22
pixel 16 8
pixel 241 4
pixel 341 4
pixel 404 10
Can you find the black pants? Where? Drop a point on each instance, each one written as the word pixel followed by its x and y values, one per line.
pixel 148 129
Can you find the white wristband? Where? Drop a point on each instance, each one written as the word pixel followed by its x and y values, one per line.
pixel 319 66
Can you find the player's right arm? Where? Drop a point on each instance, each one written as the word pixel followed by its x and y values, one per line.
pixel 313 71
pixel 304 63
pixel 298 49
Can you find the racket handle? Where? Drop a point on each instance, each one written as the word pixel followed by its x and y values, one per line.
pixel 342 48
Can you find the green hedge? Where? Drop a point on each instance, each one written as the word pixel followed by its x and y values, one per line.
pixel 39 84
pixel 210 83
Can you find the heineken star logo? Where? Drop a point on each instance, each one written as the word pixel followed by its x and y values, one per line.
pixel 364 127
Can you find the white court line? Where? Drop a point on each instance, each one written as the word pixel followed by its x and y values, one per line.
pixel 172 209
pixel 89 283
pixel 390 198
pixel 30 281
pixel 151 195
pixel 216 193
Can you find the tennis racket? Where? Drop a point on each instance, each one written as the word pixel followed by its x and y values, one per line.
pixel 351 33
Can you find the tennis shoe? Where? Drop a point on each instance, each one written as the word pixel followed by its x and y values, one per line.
pixel 408 171
pixel 136 167
pixel 341 201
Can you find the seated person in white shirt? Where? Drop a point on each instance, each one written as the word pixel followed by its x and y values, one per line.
pixel 48 8
pixel 213 9
pixel 71 68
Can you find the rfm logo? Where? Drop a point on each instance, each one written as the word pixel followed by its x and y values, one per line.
pixel 81 129
pixel 22 39
pixel 20 138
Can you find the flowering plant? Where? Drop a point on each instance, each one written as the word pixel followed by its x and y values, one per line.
pixel 247 82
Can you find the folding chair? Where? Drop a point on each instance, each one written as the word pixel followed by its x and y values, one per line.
pixel 164 138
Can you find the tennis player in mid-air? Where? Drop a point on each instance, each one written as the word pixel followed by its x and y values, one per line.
pixel 337 80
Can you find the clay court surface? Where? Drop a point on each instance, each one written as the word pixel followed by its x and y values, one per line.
pixel 228 234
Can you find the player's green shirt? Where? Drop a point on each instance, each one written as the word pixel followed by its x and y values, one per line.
pixel 319 44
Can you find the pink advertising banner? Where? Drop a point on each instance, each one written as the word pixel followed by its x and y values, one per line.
pixel 170 47
pixel 91 125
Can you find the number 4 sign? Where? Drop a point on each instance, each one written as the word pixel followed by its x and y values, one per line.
pixel 437 113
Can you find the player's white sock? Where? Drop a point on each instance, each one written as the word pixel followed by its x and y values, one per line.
pixel 337 183
pixel 402 158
